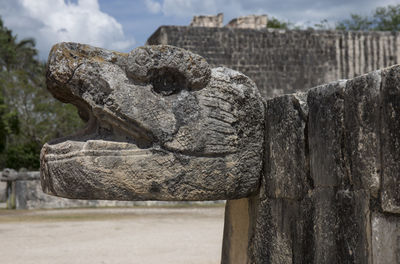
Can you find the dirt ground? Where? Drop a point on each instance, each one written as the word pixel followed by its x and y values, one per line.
pixel 113 235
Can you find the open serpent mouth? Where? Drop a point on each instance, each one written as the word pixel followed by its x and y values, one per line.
pixel 92 142
pixel 161 125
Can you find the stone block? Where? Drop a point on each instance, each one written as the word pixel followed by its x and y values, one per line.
pixel 238 229
pixel 325 222
pixel 385 238
pixel 325 134
pixel 341 226
pixel 283 232
pixel 390 139
pixel 354 225
pixel 361 142
pixel 286 162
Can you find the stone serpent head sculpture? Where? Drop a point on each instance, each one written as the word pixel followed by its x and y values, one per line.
pixel 161 125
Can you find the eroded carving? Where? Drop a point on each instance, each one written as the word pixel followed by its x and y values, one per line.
pixel 162 125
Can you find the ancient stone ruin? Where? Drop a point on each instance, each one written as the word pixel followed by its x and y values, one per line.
pixel 278 61
pixel 244 22
pixel 208 21
pixel 310 177
pixel 156 118
pixel 251 21
pixel 286 61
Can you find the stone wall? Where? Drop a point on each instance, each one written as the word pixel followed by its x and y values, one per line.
pixel 28 194
pixel 285 61
pixel 330 190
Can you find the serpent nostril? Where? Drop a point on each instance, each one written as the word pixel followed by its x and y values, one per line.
pixel 167 81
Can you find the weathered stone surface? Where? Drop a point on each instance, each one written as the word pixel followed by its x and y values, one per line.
pixel 325 221
pixel 286 164
pixel 385 238
pixel 161 126
pixel 361 141
pixel 251 21
pixel 208 21
pixel 390 139
pixel 354 227
pixel 340 228
pixel 283 232
pixel 29 195
pixel 325 134
pixel 285 61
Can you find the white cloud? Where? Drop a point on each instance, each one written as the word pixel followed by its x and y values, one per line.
pixel 52 21
pixel 153 6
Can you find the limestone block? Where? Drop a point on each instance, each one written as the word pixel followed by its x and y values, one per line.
pixel 325 230
pixel 361 142
pixel 286 166
pixel 341 221
pixel 354 225
pixel 325 134
pixel 238 229
pixel 385 238
pixel 283 232
pixel 162 125
pixel 390 139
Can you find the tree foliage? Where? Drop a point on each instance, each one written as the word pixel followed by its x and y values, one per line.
pixel 387 18
pixel 29 116
pixel 383 19
pixel 276 23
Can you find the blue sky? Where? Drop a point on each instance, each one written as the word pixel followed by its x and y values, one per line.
pixel 123 25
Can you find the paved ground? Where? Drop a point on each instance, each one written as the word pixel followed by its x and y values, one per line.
pixel 119 235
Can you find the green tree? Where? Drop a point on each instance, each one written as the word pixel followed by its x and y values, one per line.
pixel 275 23
pixel 355 22
pixel 9 124
pixel 29 115
pixel 383 18
pixel 387 18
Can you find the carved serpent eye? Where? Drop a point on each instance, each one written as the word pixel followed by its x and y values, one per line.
pixel 168 69
pixel 167 81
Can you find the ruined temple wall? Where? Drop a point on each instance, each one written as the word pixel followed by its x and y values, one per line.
pixel 285 61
